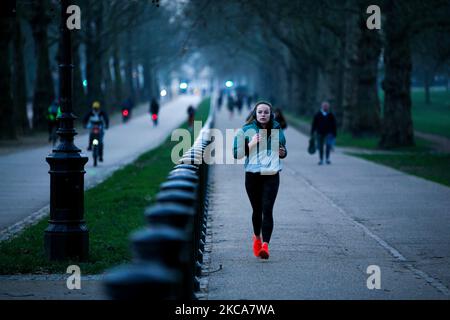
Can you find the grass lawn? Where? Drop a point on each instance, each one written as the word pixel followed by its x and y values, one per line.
pixel 344 139
pixel 371 143
pixel 301 123
pixel 433 118
pixel 113 209
pixel 434 167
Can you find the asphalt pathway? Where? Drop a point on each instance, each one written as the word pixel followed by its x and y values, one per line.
pixel 331 223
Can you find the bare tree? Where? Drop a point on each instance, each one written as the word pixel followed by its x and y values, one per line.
pixel 7 125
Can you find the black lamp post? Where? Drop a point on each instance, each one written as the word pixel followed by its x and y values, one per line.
pixel 66 236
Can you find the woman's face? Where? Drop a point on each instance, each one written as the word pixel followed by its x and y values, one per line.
pixel 263 113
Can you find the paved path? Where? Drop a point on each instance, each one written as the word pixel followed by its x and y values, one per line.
pixel 50 287
pixel 25 182
pixel 331 223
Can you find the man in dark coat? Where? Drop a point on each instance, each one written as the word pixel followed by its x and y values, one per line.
pixel 324 126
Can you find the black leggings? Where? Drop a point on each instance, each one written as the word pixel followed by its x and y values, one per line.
pixel 262 191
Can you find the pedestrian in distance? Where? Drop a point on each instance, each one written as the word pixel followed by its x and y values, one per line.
pixel 191 116
pixel 239 103
pixel 126 108
pixel 249 102
pixel 154 111
pixel 53 112
pixel 261 141
pixel 230 105
pixel 280 118
pixel 219 101
pixel 323 130
pixel 96 115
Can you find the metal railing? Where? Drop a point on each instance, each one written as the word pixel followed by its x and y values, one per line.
pixel 168 252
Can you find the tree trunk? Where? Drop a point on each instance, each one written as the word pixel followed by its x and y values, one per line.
pixel 338 87
pixel 117 74
pixel 94 52
pixel 43 87
pixel 20 89
pixel 129 66
pixel 110 104
pixel 366 116
pixel 311 100
pixel 301 82
pixel 80 106
pixel 156 88
pixel 289 90
pixel 148 79
pixel 397 127
pixel 7 127
pixel 350 72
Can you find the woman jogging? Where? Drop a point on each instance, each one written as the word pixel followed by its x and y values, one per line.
pixel 262 142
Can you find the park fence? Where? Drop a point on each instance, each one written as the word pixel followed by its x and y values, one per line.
pixel 167 254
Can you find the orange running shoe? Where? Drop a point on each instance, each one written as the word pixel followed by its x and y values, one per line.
pixel 264 252
pixel 256 245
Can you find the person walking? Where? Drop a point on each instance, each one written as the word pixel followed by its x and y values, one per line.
pixel 154 110
pixel 323 128
pixel 280 118
pixel 191 116
pixel 262 142
pixel 53 112
pixel 220 100
pixel 230 105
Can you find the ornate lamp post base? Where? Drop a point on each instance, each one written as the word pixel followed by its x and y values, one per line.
pixel 64 242
pixel 66 236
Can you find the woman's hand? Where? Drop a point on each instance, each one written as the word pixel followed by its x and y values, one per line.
pixel 282 152
pixel 255 140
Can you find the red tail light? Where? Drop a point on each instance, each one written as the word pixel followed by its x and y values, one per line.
pixel 154 116
pixel 125 113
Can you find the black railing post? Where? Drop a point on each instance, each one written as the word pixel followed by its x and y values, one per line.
pixel 168 255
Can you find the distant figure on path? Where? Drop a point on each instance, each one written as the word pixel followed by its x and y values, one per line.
pixel 95 115
pixel 324 129
pixel 262 166
pixel 280 118
pixel 239 104
pixel 53 112
pixel 249 102
pixel 220 100
pixel 230 105
pixel 154 110
pixel 191 116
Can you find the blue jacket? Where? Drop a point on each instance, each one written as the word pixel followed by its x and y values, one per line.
pixel 261 158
